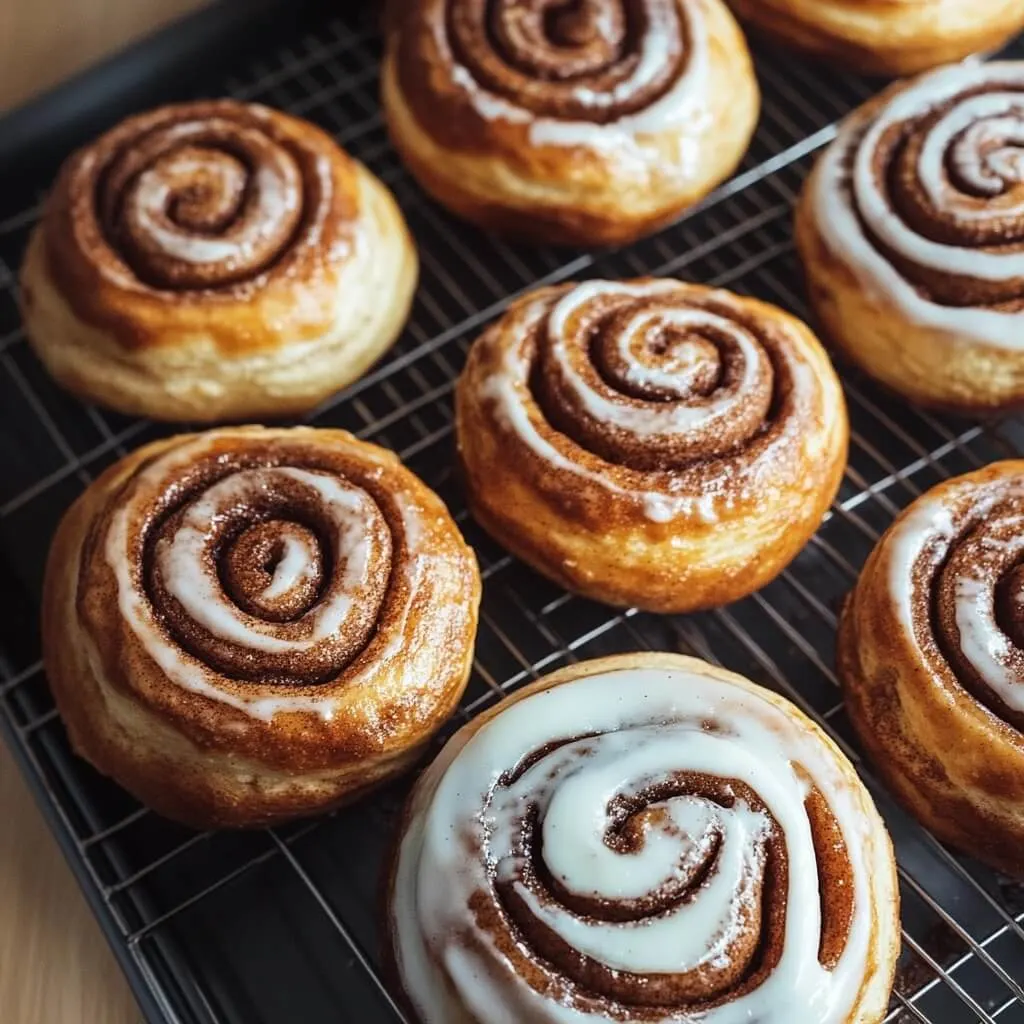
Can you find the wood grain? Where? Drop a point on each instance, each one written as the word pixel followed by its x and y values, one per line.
pixel 55 966
pixel 43 41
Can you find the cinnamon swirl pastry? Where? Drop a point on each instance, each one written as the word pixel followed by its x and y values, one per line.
pixel 911 230
pixel 585 123
pixel 643 838
pixel 248 625
pixel 931 654
pixel 212 261
pixel 650 443
pixel 893 37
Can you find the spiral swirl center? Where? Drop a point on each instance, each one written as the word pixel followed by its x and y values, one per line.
pixel 559 39
pixel 958 172
pixel 273 574
pixel 666 857
pixel 657 357
pixel 988 158
pixel 592 60
pixel 662 864
pixel 274 570
pixel 197 204
pixel 937 183
pixel 979 609
pixel 200 190
pixel 643 378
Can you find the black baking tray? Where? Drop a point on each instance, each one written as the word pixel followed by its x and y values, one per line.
pixel 281 926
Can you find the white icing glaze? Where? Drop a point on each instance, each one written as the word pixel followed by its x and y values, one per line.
pixel 576 821
pixel 1005 164
pixel 985 169
pixel 675 362
pixel 417 564
pixel 184 670
pixel 673 849
pixel 655 52
pixel 982 642
pixel 153 195
pixel 185 559
pixel 297 563
pixel 876 208
pixel 683 104
pixel 929 520
pixel 839 195
pixel 674 419
pixel 604 22
pixel 641 726
pixel 276 187
pixel 663 508
pixel 488 105
pixel 508 388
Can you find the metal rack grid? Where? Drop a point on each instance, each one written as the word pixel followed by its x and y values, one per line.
pixel 280 925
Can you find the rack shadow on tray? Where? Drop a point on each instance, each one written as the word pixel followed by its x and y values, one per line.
pixel 275 927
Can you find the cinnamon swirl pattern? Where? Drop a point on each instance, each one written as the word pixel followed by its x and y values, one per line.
pixel 569 123
pixel 247 625
pixel 896 37
pixel 643 838
pixel 911 231
pixel 650 443
pixel 932 661
pixel 215 260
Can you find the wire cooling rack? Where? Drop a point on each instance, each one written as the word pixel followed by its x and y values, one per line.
pixel 281 926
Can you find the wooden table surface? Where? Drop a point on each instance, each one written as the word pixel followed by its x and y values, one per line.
pixel 55 966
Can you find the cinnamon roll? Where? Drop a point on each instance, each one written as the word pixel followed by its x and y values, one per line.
pixel 247 625
pixel 643 838
pixel 931 655
pixel 650 443
pixel 894 37
pixel 582 124
pixel 215 260
pixel 911 230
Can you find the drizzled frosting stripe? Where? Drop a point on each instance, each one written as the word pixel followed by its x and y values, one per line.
pixel 600 71
pixel 635 845
pixel 675 397
pixel 924 198
pixel 955 574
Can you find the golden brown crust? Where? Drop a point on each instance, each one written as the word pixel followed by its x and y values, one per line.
pixel 751 448
pixel 191 257
pixel 939 734
pixel 917 309
pixel 204 719
pixel 548 131
pixel 931 367
pixel 871 1002
pixel 885 37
